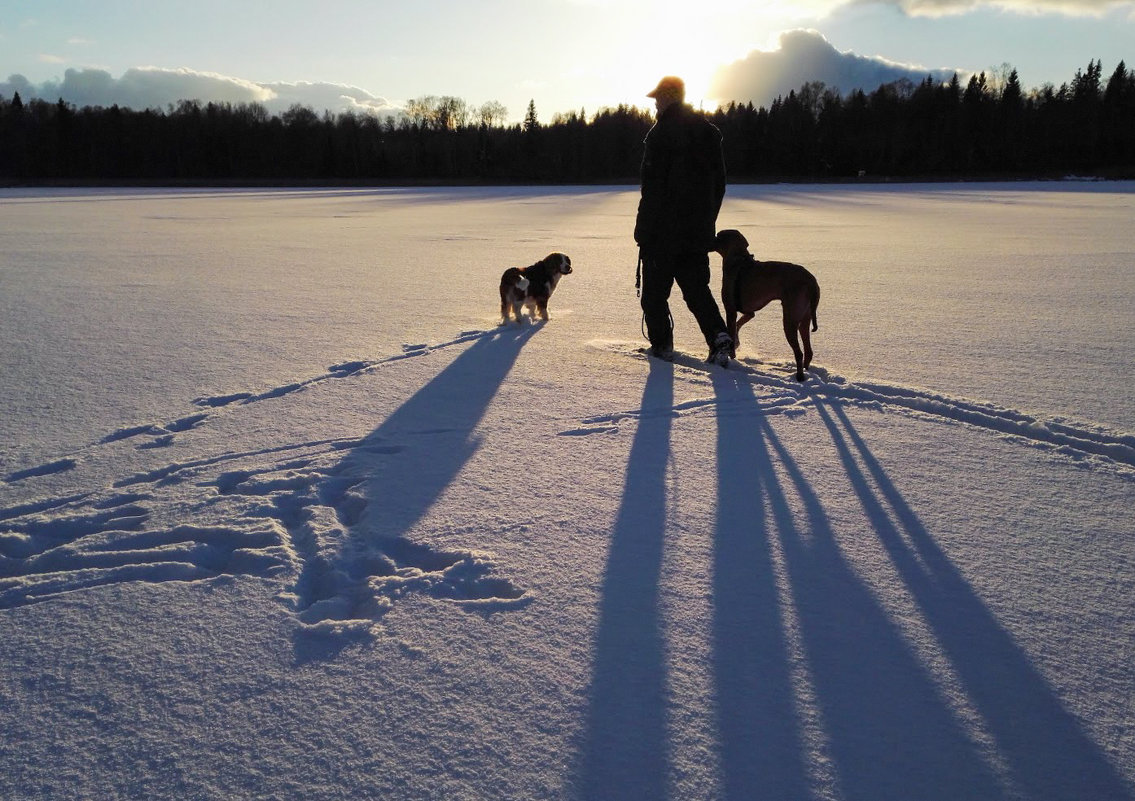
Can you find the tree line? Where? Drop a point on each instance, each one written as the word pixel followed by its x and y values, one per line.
pixel 987 126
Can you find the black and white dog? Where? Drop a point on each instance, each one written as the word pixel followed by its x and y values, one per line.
pixel 532 286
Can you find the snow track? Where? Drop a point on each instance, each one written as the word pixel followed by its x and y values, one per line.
pixel 778 392
pixel 298 509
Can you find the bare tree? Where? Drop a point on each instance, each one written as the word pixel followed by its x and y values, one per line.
pixel 451 113
pixel 421 111
pixel 492 114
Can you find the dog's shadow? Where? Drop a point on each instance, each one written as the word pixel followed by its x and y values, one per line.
pixel 526 323
pixel 428 439
pixel 447 409
pixel 761 741
pixel 1045 748
pixel 890 730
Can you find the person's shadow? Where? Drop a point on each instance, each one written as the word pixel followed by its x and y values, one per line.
pixel 625 753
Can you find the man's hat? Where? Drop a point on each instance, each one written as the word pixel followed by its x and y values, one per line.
pixel 670 86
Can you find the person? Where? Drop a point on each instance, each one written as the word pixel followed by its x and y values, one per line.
pixel 683 184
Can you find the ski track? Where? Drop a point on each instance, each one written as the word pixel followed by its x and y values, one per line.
pixel 298 515
pixel 297 510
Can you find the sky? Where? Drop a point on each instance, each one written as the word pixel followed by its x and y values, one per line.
pixel 562 55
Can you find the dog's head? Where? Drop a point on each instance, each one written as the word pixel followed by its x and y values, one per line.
pixel 558 263
pixel 730 242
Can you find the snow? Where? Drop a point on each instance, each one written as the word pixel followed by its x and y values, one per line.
pixel 284 513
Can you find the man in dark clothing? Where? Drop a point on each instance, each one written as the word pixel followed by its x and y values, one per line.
pixel 683 183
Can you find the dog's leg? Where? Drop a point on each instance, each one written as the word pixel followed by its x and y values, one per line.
pixel 731 327
pixel 814 300
pixel 790 331
pixel 542 308
pixel 806 338
pixel 736 333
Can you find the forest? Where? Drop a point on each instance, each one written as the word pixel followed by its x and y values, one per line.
pixel 985 127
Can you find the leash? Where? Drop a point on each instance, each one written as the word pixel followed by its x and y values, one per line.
pixel 638 294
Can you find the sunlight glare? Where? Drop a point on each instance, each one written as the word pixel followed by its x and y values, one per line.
pixel 692 40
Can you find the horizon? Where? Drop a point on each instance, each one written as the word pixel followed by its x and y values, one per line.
pixel 375 58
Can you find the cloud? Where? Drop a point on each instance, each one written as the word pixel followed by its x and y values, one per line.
pixel 17 83
pixel 804 56
pixel 941 8
pixel 332 96
pixel 151 87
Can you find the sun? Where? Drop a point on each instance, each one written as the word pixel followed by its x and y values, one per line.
pixel 687 38
pixel 638 72
pixel 630 44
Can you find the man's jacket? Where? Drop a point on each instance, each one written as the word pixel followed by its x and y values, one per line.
pixel 683 183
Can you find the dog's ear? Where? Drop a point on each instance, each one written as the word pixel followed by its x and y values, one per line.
pixel 558 262
pixel 729 239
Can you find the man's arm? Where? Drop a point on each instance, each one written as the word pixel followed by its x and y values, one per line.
pixel 718 162
pixel 653 175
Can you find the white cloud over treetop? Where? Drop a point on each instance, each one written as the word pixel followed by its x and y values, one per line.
pixel 804 56
pixel 941 8
pixel 333 96
pixel 152 87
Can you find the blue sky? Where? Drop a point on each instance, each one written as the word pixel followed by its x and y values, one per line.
pixel 563 54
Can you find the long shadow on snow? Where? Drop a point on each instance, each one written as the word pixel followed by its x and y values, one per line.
pixel 889 732
pixel 625 754
pixel 1047 752
pixel 761 752
pixel 354 568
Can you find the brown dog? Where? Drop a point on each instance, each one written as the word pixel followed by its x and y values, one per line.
pixel 532 286
pixel 747 286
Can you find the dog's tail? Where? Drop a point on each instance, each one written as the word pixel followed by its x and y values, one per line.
pixel 814 293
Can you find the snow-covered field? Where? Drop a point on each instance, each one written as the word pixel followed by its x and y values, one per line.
pixel 284 514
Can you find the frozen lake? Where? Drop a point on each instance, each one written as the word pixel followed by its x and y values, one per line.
pixel 284 513
pixel 117 303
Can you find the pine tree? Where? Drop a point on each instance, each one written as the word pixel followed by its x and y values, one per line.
pixel 1011 92
pixel 1086 85
pixel 1120 86
pixel 1119 117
